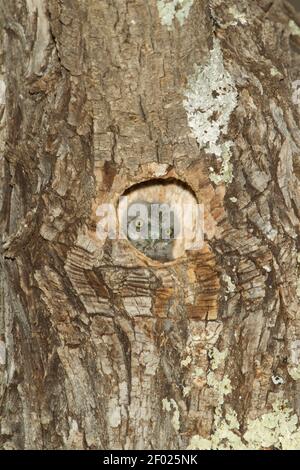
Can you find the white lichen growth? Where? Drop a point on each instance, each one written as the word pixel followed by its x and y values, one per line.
pixel 169 406
pixel 114 414
pixel 198 372
pixel 275 72
pixel 169 10
pixel 277 429
pixel 2 92
pixel 199 443
pixel 217 358
pixel 186 391
pixel 211 96
pixel 230 286
pixel 294 28
pixel 294 372
pixel 294 365
pixel 226 174
pixel 223 437
pixel 221 387
pixel 238 17
pixel 2 353
pixel 298 288
pixel 185 362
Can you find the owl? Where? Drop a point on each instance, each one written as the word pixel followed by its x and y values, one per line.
pixel 152 228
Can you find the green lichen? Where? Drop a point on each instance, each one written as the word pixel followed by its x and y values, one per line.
pixel 294 372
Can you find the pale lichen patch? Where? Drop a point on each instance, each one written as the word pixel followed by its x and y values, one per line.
pixel 2 353
pixel 230 286
pixel 185 362
pixel 275 72
pixel 225 437
pixel 186 391
pixel 222 387
pixel 294 28
pixel 199 443
pixel 169 10
pixel 114 414
pixel 294 372
pixel 226 174
pixel 238 17
pixel 277 429
pixel 169 405
pixel 2 92
pixel 217 358
pixel 298 288
pixel 211 96
pixel 294 365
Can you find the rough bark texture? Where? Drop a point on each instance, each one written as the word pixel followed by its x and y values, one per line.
pixel 100 347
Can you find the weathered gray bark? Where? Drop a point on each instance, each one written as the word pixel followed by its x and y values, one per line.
pixel 100 348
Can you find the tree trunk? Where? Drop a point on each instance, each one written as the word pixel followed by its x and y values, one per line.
pixel 102 347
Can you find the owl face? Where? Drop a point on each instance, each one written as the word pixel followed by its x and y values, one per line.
pixel 151 228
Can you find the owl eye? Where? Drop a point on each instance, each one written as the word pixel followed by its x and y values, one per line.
pixel 139 225
pixel 169 232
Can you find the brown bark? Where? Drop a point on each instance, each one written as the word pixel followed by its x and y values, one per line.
pixel 99 346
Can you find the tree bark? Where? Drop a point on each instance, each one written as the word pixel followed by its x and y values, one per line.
pixel 101 347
